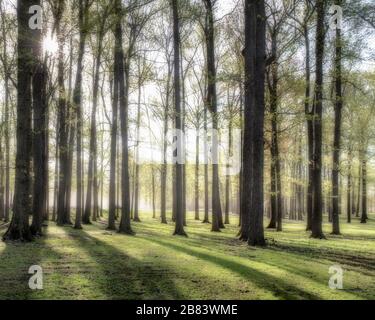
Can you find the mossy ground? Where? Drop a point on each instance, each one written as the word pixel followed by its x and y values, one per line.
pixel 97 264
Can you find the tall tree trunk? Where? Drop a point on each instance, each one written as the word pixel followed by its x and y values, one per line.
pixel 92 179
pixel 178 187
pixel 114 146
pixel 337 134
pixel 7 153
pixel 123 82
pixel 273 196
pixel 206 192
pixel 273 90
pixel 164 166
pixel 249 107
pixel 1 180
pixel 63 129
pixel 39 142
pixel 256 234
pixel 349 187
pixel 364 216
pixel 217 218
pixel 153 193
pixel 252 207
pixel 359 188
pixel 227 178
pixel 163 176
pixel 310 132
pixel 77 102
pixel 317 219
pixel 6 122
pixel 137 166
pixel 27 39
pixel 183 125
pixel 196 184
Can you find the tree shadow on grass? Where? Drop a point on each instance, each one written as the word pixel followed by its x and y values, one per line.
pixel 120 276
pixel 338 257
pixel 278 287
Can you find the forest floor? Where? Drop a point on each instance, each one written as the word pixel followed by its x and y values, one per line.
pixel 97 264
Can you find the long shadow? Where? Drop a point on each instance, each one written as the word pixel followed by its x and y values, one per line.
pixel 352 260
pixel 123 277
pixel 273 284
pixel 295 255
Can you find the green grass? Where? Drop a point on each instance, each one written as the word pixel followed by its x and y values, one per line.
pixel 97 264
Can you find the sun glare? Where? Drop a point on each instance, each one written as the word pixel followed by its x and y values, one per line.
pixel 50 45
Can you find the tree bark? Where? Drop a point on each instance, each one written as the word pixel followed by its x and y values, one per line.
pixel 196 185
pixel 252 206
pixel 217 218
pixel 26 63
pixel 114 146
pixel 179 214
pixel 92 179
pixel 317 218
pixel 77 103
pixel 39 142
pixel 337 134
pixel 123 82
pixel 364 216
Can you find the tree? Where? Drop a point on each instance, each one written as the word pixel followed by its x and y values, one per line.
pixel 337 131
pixel 92 175
pixel 83 8
pixel 211 101
pixel 27 43
pixel 7 63
pixel 40 110
pixel 316 226
pixel 253 141
pixel 178 187
pixel 123 91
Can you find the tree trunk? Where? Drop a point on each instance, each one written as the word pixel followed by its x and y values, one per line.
pixel 256 233
pixel 179 212
pixel 310 132
pixel 249 108
pixel 137 166
pixel 92 179
pixel 317 231
pixel 364 216
pixel 123 82
pixel 273 196
pixel 217 218
pixel 206 208
pixel 153 193
pixel 27 39
pixel 227 178
pixel 337 135
pixel 39 143
pixel 252 208
pixel 349 188
pixel 196 185
pixel 62 131
pixel 1 180
pixel 114 146
pixel 77 103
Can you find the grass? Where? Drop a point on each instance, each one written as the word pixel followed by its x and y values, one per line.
pixel 97 264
